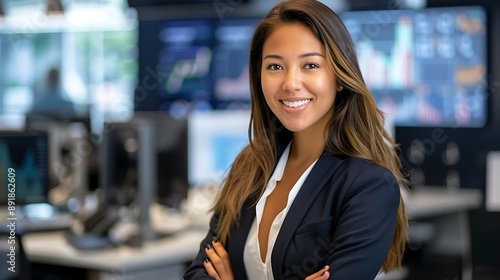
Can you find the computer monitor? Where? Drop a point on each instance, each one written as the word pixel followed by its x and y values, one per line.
pixel 148 151
pixel 24 167
pixel 194 65
pixel 215 139
pixel 175 58
pixel 427 67
pixel 118 166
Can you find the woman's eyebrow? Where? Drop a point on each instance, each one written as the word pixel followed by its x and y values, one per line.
pixel 311 54
pixel 275 56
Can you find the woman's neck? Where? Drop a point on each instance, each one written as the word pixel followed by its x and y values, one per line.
pixel 307 146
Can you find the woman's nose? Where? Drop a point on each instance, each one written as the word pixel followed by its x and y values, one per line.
pixel 292 81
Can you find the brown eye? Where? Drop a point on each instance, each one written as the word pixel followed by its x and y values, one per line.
pixel 311 66
pixel 274 67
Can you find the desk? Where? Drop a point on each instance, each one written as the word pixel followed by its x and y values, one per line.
pixel 433 201
pixel 165 258
pixel 160 259
pixel 447 211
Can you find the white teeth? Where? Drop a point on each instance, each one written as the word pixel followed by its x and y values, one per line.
pixel 295 104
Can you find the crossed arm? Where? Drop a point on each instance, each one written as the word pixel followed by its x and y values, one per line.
pixel 219 267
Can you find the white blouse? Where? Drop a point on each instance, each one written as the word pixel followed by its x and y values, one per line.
pixel 255 268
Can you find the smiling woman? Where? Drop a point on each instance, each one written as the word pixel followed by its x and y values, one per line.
pixel 316 193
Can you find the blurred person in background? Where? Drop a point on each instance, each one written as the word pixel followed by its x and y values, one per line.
pixel 53 104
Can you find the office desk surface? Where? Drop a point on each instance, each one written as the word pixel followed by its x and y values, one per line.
pixel 433 201
pixel 52 247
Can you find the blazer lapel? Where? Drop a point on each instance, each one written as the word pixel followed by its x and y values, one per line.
pixel 321 172
pixel 238 240
pixel 239 234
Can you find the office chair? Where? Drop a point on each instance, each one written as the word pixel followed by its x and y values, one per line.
pixel 484 229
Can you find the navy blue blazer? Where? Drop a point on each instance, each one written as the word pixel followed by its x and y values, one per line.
pixel 344 216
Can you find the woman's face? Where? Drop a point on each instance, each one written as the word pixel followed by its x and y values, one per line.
pixel 297 83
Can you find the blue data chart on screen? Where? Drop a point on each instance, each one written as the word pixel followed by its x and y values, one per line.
pixel 185 59
pixel 27 155
pixel 232 48
pixel 424 67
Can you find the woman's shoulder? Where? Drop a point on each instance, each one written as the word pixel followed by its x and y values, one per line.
pixel 357 164
pixel 359 174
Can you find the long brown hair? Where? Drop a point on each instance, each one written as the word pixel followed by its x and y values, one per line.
pixel 356 129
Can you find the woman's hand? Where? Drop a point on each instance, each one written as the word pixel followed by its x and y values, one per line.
pixel 217 265
pixel 320 275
